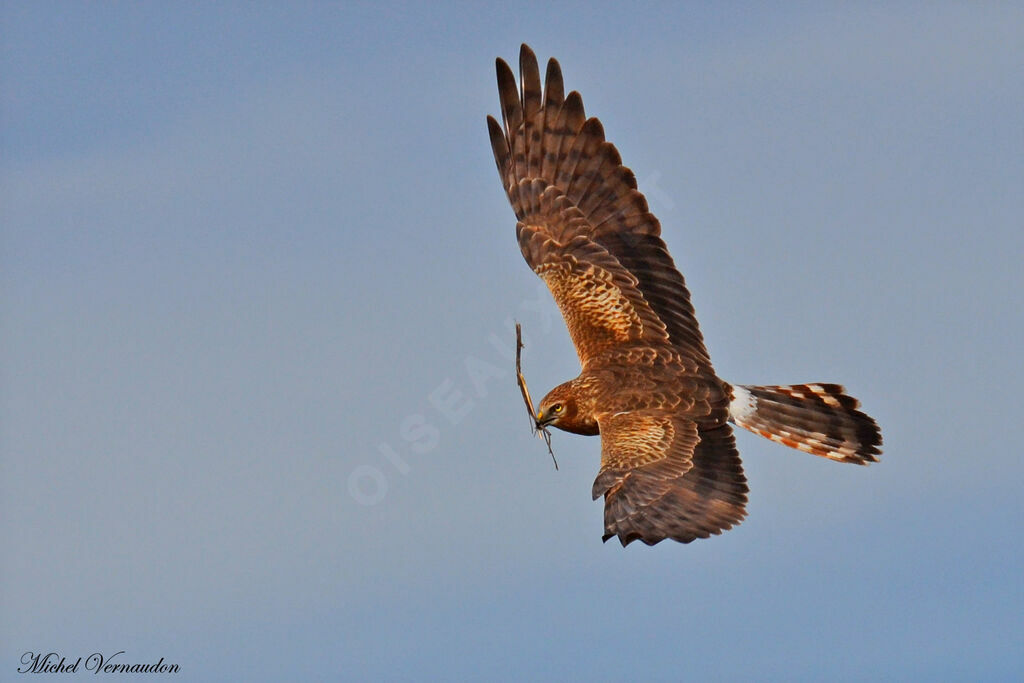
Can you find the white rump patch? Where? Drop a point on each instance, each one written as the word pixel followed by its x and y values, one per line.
pixel 742 405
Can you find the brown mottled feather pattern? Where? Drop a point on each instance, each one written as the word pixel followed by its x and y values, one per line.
pixel 648 439
pixel 599 301
pixel 669 465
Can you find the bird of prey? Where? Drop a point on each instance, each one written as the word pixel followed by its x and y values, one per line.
pixel 669 465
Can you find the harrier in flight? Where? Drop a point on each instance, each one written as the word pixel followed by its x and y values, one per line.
pixel 669 465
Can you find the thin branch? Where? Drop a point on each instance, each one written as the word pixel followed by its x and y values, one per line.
pixel 521 381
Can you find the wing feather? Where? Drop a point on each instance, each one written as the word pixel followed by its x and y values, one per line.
pixel 533 119
pixel 508 94
pixel 575 116
pixel 554 98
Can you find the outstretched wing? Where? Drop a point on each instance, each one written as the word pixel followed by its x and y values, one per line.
pixel 663 476
pixel 568 186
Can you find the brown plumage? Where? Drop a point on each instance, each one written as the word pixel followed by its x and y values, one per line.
pixel 669 465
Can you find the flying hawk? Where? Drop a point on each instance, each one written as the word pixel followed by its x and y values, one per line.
pixel 669 465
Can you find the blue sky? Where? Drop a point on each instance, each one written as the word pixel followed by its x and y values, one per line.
pixel 257 415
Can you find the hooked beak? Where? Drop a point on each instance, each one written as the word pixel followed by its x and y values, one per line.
pixel 541 422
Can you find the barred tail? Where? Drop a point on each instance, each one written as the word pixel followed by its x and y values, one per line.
pixel 814 418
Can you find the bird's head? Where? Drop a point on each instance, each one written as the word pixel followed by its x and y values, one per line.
pixel 558 408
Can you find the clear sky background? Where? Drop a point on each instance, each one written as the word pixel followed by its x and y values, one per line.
pixel 257 412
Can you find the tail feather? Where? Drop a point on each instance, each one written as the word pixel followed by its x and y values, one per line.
pixel 815 418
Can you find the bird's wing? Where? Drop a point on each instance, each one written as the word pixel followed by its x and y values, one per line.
pixel 599 299
pixel 565 181
pixel 664 476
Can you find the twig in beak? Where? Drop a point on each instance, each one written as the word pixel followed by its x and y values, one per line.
pixel 521 381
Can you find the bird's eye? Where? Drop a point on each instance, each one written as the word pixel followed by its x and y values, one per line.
pixel 557 408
